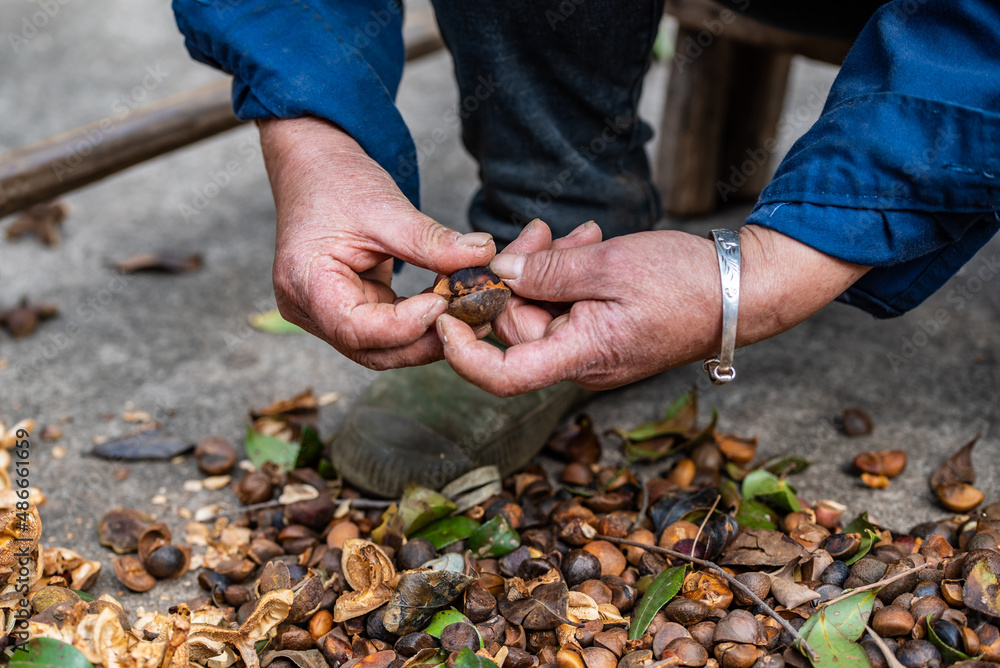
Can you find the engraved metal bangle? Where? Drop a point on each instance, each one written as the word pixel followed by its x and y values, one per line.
pixel 727 246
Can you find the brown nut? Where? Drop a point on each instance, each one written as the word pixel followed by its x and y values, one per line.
pixel 475 295
pixel 168 561
pixel 892 621
pixel 612 560
pixel 254 487
pixel 215 455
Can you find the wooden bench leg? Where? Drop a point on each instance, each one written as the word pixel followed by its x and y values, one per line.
pixel 720 105
pixel 694 116
pixel 756 96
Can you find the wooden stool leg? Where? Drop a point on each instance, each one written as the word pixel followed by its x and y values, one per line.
pixel 694 117
pixel 755 99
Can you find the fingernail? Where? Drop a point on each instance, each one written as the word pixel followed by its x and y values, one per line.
pixel 582 228
pixel 508 265
pixel 476 239
pixel 433 312
pixel 440 328
pixel 483 330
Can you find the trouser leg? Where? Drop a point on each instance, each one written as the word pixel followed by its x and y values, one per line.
pixel 549 94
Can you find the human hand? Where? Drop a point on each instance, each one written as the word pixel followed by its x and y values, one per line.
pixel 639 304
pixel 341 220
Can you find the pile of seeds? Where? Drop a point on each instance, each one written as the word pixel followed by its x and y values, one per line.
pixel 713 562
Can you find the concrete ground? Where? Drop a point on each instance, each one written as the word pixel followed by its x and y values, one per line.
pixel 179 347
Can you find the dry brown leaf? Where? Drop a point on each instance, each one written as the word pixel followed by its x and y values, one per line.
pixel 761 547
pixel 42 221
pixel 300 403
pixel 957 468
pixel 164 262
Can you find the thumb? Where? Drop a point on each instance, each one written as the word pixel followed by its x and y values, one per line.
pixel 560 275
pixel 424 242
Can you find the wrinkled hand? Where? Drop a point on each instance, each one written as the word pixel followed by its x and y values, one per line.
pixel 638 305
pixel 341 220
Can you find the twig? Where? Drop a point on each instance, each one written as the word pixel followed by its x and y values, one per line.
pixel 361 504
pixel 890 657
pixel 874 585
pixel 704 563
pixel 711 510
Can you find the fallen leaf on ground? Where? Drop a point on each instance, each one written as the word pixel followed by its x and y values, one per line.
pixel 163 262
pixel 42 221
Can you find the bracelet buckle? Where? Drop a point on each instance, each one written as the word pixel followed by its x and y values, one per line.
pixel 727 246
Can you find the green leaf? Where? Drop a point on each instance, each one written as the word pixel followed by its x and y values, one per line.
pixel 469 659
pixel 261 449
pixel 272 323
pixel 833 648
pixel 310 448
pixel 948 653
pixel 772 490
pixel 786 464
pixel 664 587
pixel 419 507
pixel 326 469
pixel 446 531
pixel 755 515
pixel 680 418
pixel 48 653
pixel 833 630
pixel 446 618
pixel 869 536
pixel 493 539
pixel 84 595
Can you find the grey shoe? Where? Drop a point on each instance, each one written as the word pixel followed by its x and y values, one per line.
pixel 427 425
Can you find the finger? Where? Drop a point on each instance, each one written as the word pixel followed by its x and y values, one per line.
pixel 519 369
pixel 560 275
pixel 422 241
pixel 536 236
pixel 521 322
pixel 586 234
pixel 339 306
pixel 380 273
pixel 424 350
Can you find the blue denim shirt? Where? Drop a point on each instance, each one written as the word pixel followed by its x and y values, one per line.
pixel 901 171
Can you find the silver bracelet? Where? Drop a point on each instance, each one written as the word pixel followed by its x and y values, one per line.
pixel 727 245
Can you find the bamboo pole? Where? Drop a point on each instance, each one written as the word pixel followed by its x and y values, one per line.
pixel 47 169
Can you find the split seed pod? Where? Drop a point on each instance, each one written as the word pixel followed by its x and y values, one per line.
pixel 475 295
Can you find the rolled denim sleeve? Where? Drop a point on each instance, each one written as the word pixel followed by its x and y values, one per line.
pixel 902 170
pixel 336 59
